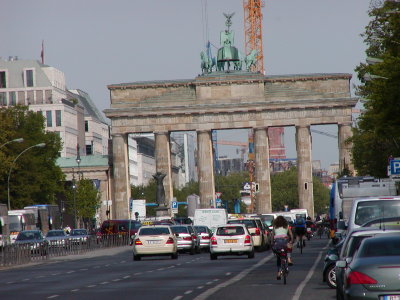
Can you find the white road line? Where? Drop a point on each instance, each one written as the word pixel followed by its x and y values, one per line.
pixel 150 271
pixel 215 280
pixel 83 269
pixel 228 273
pixel 160 269
pixel 137 273
pixel 105 282
pixel 117 279
pixel 70 272
pixel 26 279
pixel 238 277
pixel 53 296
pixel 208 283
pixel 10 282
pixel 200 287
pixel 300 288
pixel 126 277
pixel 55 274
pixel 177 298
pixel 90 286
pixel 188 292
pixel 75 290
pixel 41 276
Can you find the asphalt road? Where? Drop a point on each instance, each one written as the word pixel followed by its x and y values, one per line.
pixel 111 274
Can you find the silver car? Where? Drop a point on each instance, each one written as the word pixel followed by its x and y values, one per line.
pixel 56 238
pixel 187 238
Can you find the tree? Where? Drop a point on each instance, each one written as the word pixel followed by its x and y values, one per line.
pixel 377 135
pixel 35 177
pixel 87 200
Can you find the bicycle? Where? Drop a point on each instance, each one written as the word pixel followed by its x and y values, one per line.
pixel 301 243
pixel 284 269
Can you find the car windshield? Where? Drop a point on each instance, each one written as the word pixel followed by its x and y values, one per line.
pixel 179 229
pixel 15 223
pixel 230 230
pixel 267 220
pixel 30 235
pixel 248 223
pixel 378 247
pixel 201 229
pixel 154 231
pixel 370 210
pixel 79 232
pixel 55 233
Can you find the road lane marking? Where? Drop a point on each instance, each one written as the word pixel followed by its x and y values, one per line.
pixel 26 279
pixel 115 280
pixel 10 282
pixel 70 272
pixel 161 269
pixel 90 286
pixel 177 298
pixel 208 283
pixel 55 274
pixel 53 296
pixel 105 282
pixel 238 277
pixel 75 290
pixel 228 273
pixel 126 277
pixel 137 274
pixel 83 269
pixel 188 292
pixel 200 287
pixel 300 288
pixel 215 280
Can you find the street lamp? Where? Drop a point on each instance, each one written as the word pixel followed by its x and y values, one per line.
pixel 19 140
pixel 74 188
pixel 78 160
pixel 41 145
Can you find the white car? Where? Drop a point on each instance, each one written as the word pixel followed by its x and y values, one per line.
pixel 231 239
pixel 154 241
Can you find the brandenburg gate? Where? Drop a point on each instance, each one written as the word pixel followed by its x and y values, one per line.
pixel 228 100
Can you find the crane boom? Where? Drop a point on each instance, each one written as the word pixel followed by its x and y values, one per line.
pixel 253 31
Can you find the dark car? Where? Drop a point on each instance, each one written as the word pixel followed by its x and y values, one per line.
pixel 350 246
pixel 34 240
pixel 79 235
pixel 328 273
pixel 374 271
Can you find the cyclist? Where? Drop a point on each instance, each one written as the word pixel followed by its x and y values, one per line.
pixel 300 229
pixel 283 238
pixel 310 227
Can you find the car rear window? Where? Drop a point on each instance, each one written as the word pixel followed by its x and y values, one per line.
pixel 230 230
pixel 179 229
pixel 201 229
pixel 371 248
pixel 354 244
pixel 248 223
pixel 154 231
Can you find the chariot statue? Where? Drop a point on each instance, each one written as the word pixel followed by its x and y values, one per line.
pixel 251 59
pixel 227 54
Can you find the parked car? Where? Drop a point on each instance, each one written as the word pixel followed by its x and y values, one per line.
pixel 204 234
pixel 350 246
pixel 56 237
pixel 231 239
pixel 154 241
pixel 328 273
pixel 257 231
pixel 186 238
pixel 374 271
pixel 34 239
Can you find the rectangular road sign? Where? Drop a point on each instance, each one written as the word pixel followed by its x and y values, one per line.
pixel 174 204
pixel 395 167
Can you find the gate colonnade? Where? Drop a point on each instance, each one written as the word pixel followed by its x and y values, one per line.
pixel 228 101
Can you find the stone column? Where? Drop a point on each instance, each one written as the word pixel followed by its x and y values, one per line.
pixel 304 169
pixel 262 171
pixel 163 163
pixel 205 166
pixel 122 188
pixel 345 148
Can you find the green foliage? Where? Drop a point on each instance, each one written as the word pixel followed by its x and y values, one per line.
pixel 284 192
pixel 378 134
pixel 34 177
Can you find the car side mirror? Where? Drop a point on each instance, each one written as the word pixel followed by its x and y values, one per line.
pixel 341 264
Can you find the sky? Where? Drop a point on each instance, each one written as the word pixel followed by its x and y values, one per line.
pixel 101 42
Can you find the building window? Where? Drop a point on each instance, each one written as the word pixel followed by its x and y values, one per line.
pixel 29 78
pixel 49 119
pixel 86 126
pixel 3 82
pixel 13 98
pixel 58 117
pixel 89 150
pixel 3 99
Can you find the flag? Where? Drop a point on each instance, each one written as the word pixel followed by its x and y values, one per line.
pixel 42 52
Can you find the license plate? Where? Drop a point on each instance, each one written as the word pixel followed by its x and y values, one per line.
pixel 153 242
pixel 230 241
pixel 391 297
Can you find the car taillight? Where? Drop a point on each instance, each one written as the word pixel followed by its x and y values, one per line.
pixel 258 231
pixel 138 242
pixel 247 239
pixel 194 237
pixel 213 240
pixel 187 238
pixel 206 237
pixel 170 241
pixel 359 278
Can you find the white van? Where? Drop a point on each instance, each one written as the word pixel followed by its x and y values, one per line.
pixel 365 210
pixel 300 211
pixel 210 217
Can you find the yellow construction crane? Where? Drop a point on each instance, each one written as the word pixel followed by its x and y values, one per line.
pixel 253 31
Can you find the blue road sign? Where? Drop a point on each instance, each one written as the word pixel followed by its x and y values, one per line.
pixel 174 204
pixel 395 167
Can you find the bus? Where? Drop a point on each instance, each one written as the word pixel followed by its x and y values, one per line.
pixel 345 189
pixel 46 221
pixel 20 219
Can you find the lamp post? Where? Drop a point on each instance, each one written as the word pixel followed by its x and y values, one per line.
pixel 41 145
pixel 19 140
pixel 74 188
pixel 78 161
